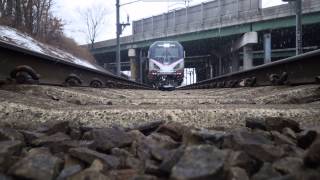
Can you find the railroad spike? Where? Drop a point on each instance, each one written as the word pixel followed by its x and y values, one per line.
pixel 73 80
pixel 96 84
pixel 23 77
pixel 274 78
pixel 283 78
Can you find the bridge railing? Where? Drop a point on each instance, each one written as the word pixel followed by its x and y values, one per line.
pixel 211 15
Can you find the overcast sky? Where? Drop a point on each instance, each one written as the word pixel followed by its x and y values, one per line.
pixel 68 10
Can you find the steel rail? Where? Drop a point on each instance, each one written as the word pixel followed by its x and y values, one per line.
pixel 21 65
pixel 301 69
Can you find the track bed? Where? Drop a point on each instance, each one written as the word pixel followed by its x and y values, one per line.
pixel 28 105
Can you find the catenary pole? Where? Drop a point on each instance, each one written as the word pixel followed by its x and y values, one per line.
pixel 298 5
pixel 118 56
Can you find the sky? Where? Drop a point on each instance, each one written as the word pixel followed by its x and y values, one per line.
pixel 69 11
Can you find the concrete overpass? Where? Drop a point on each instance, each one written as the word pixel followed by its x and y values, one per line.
pixel 208 32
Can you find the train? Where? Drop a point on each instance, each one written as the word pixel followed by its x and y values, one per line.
pixel 166 64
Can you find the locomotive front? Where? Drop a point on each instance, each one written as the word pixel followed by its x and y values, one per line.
pixel 166 64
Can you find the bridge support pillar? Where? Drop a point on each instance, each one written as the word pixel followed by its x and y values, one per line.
pixel 211 70
pixel 267 48
pixel 247 57
pixel 133 64
pixel 234 62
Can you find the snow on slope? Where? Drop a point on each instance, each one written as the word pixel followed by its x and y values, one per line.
pixel 13 36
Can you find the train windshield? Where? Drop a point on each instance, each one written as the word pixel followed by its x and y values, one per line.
pixel 166 53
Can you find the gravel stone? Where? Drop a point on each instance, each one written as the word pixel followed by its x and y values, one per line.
pixel 37 166
pixel 202 162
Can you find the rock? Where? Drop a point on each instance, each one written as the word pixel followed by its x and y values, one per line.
pixel 75 133
pixel 161 141
pixel 5 177
pixel 144 177
pixel 133 163
pixel 200 162
pixel 278 124
pixel 47 140
pixel 312 157
pixel 201 136
pixel 148 128
pixel 64 146
pixel 95 171
pixel 8 152
pixel 39 150
pixel 89 174
pixel 137 137
pixel 266 172
pixel 37 166
pixel 156 142
pixel 256 144
pixel 62 126
pixel 89 156
pixel 279 138
pixel 242 160
pixel 6 161
pixel 122 155
pixel 285 177
pixel 240 137
pixel 127 160
pixel 152 167
pixel 69 171
pixel 87 136
pixel 108 138
pixel 236 173
pixel 255 123
pixel 306 137
pixel 171 160
pixel 141 149
pixel 31 136
pixel 291 150
pixel 289 133
pixel 98 165
pixel 306 174
pixel 9 148
pixel 173 129
pixel 159 153
pixel 123 174
pixel 60 142
pixel 264 152
pixel 288 165
pixel 10 134
pixel 71 161
pixel 120 152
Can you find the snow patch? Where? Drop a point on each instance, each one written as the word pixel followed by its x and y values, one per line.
pixel 13 36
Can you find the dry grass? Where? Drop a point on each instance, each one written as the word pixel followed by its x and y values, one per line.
pixel 69 45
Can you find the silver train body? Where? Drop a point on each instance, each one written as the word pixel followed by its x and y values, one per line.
pixel 166 64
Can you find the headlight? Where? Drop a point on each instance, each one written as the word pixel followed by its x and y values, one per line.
pixel 156 67
pixel 178 66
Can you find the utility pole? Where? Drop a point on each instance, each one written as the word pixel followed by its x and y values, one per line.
pixel 118 63
pixel 120 27
pixel 299 49
pixel 298 9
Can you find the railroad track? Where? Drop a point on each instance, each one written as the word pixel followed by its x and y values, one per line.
pixel 301 69
pixel 24 66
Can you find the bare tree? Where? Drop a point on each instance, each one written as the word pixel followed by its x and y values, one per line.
pixel 94 18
